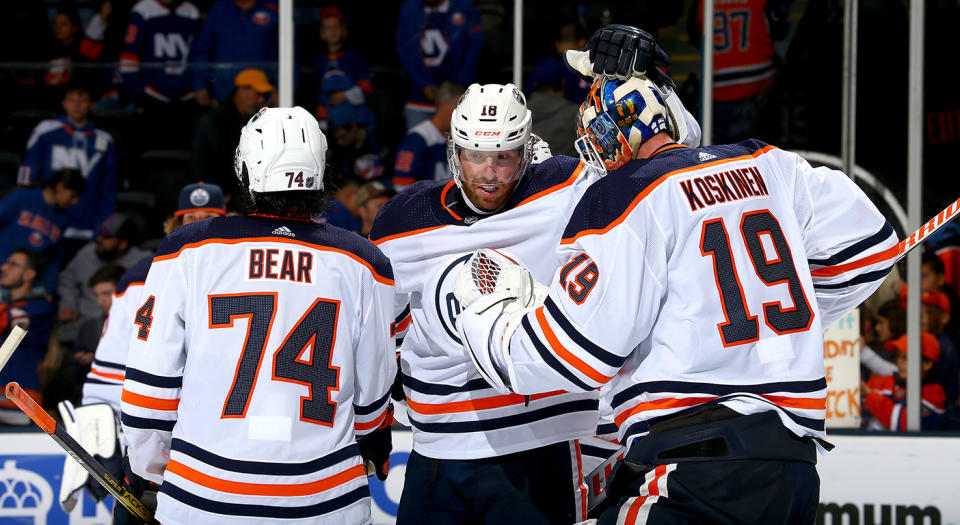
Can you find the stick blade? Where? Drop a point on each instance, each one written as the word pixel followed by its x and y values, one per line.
pixel 13 340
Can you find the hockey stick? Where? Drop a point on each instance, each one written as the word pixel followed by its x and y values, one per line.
pixel 46 423
pixel 938 221
pixel 10 345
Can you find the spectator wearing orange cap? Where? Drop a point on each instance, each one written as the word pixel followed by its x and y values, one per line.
pixel 215 139
pixel 935 315
pixel 885 396
pixel 335 59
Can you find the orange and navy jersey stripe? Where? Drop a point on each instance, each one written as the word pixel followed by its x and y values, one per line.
pixel 609 201
pixel 641 405
pixel 201 479
pixel 236 230
pixel 858 263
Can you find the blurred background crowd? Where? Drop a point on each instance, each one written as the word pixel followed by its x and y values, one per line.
pixel 113 106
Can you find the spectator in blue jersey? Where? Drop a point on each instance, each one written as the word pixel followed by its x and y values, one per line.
pixel 350 128
pixel 437 41
pixel 242 32
pixel 73 141
pixel 341 209
pixel 335 59
pixel 31 311
pixel 114 244
pixel 422 153
pixel 552 110
pixel 159 34
pixel 35 218
pixel 215 137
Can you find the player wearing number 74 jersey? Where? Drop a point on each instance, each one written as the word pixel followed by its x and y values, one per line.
pixel 261 361
pixel 698 283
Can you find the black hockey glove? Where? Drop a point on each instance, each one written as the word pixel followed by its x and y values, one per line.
pixel 622 51
pixel 376 446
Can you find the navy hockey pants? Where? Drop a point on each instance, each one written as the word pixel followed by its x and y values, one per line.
pixel 715 466
pixel 532 487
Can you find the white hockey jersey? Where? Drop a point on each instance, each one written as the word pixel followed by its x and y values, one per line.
pixel 428 236
pixel 702 276
pixel 104 382
pixel 260 349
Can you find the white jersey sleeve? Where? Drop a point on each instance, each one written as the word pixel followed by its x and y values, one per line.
pixel 849 245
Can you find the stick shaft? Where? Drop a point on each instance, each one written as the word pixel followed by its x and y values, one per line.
pixel 10 344
pixel 938 221
pixel 30 407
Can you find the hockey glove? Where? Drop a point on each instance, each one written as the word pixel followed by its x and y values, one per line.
pixel 375 449
pixel 621 51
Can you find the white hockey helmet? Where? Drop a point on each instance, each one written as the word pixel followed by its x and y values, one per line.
pixel 282 149
pixel 491 117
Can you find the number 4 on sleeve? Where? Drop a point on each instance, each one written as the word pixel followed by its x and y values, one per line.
pixel 144 318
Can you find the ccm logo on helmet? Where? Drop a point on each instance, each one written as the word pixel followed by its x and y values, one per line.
pixel 486 133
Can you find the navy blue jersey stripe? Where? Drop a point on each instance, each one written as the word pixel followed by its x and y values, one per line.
pixel 550 359
pixel 403 314
pixel 154 380
pixel 515 420
pixel 94 381
pixel 436 389
pixel 147 423
pixel 741 73
pixel 304 232
pixel 608 358
pixel 856 248
pixel 362 410
pixel 264 467
pixel 607 428
pixel 860 279
pixel 597 452
pixel 118 366
pixel 687 387
pixel 264 511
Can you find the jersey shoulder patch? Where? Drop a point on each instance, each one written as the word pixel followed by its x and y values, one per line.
pixel 410 210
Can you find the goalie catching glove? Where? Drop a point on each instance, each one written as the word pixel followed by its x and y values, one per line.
pixel 494 291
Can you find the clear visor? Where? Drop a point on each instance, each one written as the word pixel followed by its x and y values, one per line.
pixel 490 168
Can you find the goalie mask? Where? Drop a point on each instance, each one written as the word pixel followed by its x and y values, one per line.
pixel 490 125
pixel 616 117
pixel 281 149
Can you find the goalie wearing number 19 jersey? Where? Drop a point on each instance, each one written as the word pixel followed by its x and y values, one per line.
pixel 261 353
pixel 697 286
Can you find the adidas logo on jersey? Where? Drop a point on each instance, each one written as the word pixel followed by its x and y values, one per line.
pixel 283 230
pixel 703 156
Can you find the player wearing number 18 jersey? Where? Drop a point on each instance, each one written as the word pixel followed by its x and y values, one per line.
pixel 261 353
pixel 698 285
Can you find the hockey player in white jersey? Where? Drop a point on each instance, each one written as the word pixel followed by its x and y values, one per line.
pixel 479 456
pixel 697 285
pixel 262 353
